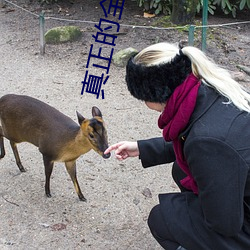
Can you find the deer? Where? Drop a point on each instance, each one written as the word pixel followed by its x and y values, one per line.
pixel 58 137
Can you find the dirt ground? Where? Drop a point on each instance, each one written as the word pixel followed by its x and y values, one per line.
pixel 119 195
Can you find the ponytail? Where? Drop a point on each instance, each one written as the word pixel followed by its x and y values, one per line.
pixel 218 78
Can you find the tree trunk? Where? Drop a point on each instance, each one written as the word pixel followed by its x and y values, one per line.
pixel 183 11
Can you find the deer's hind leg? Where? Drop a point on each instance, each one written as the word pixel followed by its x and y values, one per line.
pixel 1 144
pixel 71 168
pixel 18 161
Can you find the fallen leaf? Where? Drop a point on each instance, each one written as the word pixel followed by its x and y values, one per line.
pixel 148 15
pixel 58 227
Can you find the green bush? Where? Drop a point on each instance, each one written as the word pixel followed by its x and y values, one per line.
pixel 156 6
pixel 165 6
pixel 47 1
pixel 211 7
pixel 227 6
pixel 232 6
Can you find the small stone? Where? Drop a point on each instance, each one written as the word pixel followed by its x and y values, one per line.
pixel 239 76
pixel 63 34
pixel 2 3
pixel 45 225
pixel 147 193
pixel 121 58
pixel 136 201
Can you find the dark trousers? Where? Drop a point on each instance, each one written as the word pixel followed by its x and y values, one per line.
pixel 156 221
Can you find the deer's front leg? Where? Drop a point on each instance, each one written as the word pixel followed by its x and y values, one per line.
pixel 71 168
pixel 48 165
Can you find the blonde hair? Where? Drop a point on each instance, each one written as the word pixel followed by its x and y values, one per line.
pixel 202 67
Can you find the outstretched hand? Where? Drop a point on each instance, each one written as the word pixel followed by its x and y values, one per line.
pixel 124 150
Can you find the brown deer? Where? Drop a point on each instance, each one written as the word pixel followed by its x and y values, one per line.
pixel 59 139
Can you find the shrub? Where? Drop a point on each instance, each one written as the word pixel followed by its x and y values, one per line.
pixel 157 6
pixel 165 6
pixel 47 1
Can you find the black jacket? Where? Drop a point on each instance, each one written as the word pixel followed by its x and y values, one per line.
pixel 216 145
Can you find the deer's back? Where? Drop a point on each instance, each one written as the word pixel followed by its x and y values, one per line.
pixel 24 118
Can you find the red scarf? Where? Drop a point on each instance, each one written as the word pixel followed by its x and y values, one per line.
pixel 174 119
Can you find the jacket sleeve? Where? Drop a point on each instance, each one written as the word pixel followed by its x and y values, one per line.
pixel 155 151
pixel 220 173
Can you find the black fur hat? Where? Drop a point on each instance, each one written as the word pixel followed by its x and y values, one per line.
pixel 156 83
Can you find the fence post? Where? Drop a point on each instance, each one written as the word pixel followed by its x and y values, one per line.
pixel 204 24
pixel 42 31
pixel 191 35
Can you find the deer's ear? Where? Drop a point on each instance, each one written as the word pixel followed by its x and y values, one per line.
pixel 96 112
pixel 80 118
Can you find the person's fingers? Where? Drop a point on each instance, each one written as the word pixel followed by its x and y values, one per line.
pixel 121 148
pixel 113 147
pixel 121 157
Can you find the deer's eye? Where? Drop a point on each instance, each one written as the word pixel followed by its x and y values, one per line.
pixel 91 136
